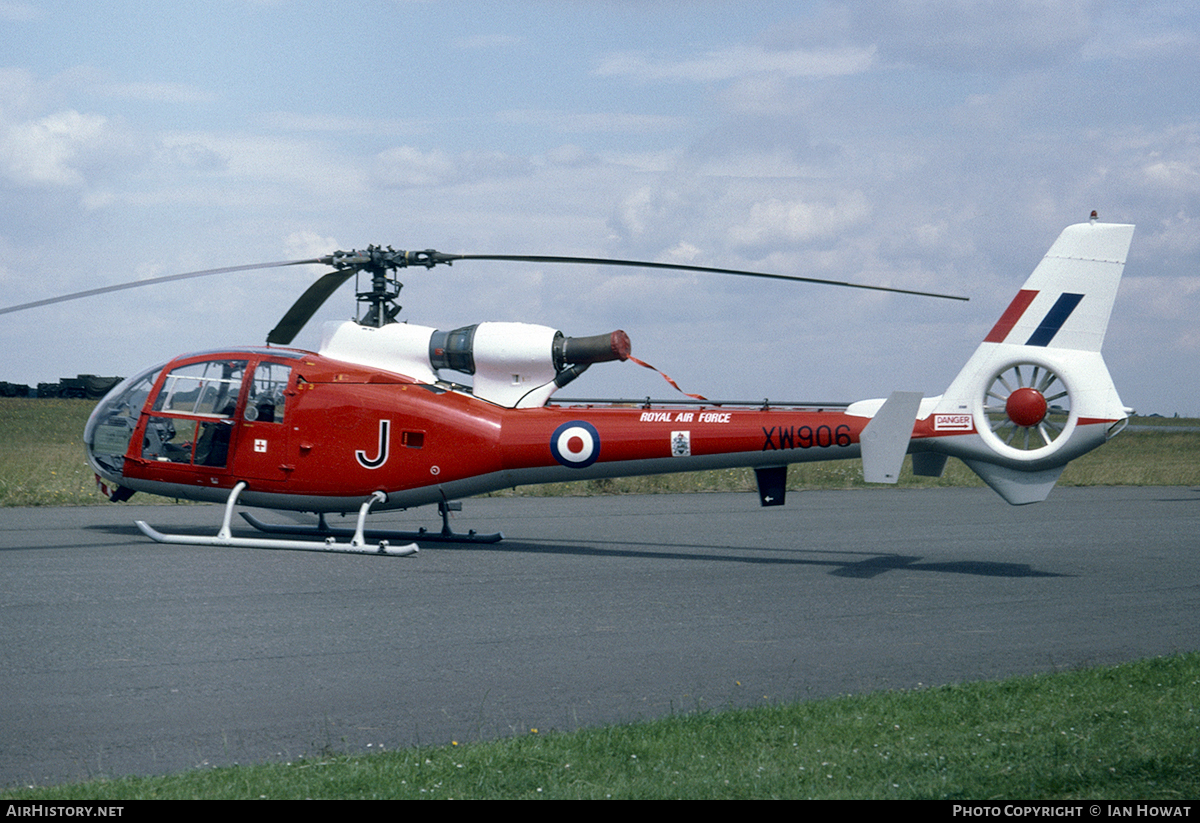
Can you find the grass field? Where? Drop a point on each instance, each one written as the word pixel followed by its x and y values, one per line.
pixel 41 453
pixel 1123 732
pixel 42 463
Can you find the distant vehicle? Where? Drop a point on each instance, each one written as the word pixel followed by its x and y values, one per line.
pixel 84 386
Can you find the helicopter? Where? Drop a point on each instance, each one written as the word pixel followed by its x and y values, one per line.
pixel 375 420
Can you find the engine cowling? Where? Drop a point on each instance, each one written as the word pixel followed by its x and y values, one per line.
pixel 518 365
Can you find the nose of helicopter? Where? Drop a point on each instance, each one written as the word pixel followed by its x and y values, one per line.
pixel 112 422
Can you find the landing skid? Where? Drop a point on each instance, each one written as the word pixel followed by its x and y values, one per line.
pixel 357 545
pixel 324 530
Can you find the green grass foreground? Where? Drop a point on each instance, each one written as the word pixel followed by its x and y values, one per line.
pixel 1120 732
pixel 42 463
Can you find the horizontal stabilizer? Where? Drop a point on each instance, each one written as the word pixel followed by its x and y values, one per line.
pixel 885 439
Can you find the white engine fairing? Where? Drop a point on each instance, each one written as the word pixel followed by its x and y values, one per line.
pixel 513 363
pixel 402 348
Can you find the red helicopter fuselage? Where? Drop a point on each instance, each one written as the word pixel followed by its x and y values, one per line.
pixel 309 433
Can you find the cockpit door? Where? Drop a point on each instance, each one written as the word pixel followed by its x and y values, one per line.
pixel 190 423
pixel 263 451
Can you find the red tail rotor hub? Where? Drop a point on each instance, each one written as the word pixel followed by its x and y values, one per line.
pixel 1026 407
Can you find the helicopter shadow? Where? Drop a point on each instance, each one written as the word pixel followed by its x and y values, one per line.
pixel 861 565
pixel 849 564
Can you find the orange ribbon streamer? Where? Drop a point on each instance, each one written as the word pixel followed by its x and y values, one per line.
pixel 646 365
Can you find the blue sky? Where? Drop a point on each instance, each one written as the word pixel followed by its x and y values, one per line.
pixel 929 145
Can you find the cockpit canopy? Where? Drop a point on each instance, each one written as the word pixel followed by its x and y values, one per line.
pixel 189 406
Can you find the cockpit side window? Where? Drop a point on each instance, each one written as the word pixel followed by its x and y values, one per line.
pixel 268 393
pixel 114 420
pixel 210 388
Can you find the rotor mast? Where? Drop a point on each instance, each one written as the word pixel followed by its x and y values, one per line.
pixel 379 301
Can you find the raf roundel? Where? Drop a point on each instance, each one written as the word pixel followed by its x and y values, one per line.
pixel 576 444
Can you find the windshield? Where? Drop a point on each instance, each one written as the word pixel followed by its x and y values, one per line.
pixel 113 421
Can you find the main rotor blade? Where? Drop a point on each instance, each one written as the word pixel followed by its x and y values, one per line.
pixel 136 284
pixel 304 308
pixel 604 261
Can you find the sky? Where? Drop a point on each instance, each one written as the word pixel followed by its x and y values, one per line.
pixel 937 145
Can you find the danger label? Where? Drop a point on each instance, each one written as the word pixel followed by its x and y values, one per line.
pixel 952 422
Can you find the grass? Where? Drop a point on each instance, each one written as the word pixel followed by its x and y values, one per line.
pixel 42 463
pixel 1127 731
pixel 42 460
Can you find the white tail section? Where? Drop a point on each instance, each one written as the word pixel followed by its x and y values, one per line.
pixel 1037 391
pixel 1066 302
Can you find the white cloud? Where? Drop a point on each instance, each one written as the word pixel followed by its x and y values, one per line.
pixel 569 155
pixel 409 167
pixel 17 92
pixel 773 221
pixel 493 40
pixel 1000 35
pixel 339 123
pixel 248 161
pixel 159 92
pixel 405 166
pixel 593 122
pixel 1174 174
pixel 15 12
pixel 192 155
pixel 305 245
pixel 48 151
pixel 739 61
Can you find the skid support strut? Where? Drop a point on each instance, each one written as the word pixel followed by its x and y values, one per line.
pixel 357 544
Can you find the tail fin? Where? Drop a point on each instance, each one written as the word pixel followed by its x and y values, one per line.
pixel 1036 393
pixel 1066 302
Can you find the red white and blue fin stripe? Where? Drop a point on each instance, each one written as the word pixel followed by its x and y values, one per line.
pixel 1067 300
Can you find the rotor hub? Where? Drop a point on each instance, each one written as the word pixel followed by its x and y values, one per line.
pixel 1026 407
